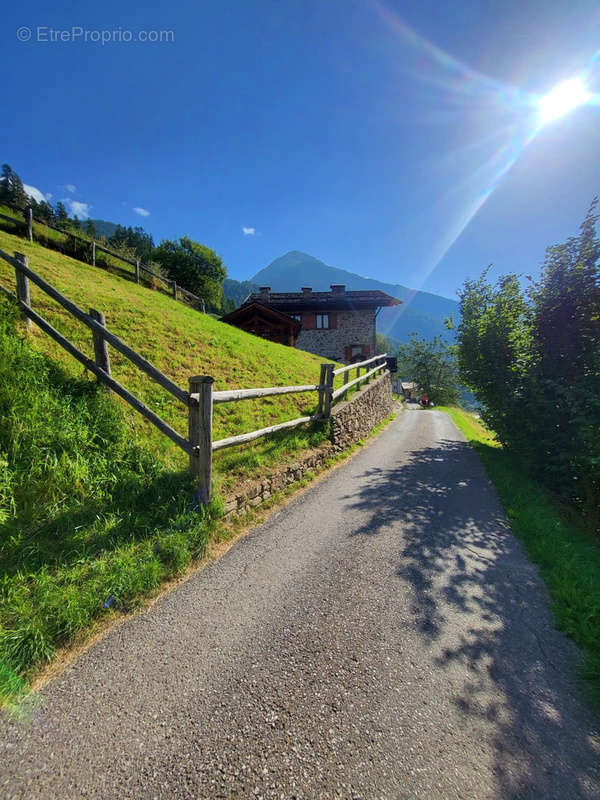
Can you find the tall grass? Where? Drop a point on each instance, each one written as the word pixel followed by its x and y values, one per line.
pixel 89 519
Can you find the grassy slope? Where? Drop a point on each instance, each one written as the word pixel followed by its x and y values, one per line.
pixel 181 342
pixel 568 556
pixel 89 520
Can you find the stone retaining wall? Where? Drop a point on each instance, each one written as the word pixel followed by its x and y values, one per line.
pixel 354 419
pixel 351 421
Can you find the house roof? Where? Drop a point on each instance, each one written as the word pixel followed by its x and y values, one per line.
pixel 309 301
pixel 251 307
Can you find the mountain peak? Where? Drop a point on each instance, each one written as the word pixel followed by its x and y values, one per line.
pixel 420 312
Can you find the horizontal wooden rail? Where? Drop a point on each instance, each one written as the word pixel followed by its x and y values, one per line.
pixel 232 395
pixel 105 250
pixel 249 437
pixel 348 367
pixel 12 219
pixel 107 379
pixel 98 246
pixel 117 343
pixel 166 281
pixel 343 389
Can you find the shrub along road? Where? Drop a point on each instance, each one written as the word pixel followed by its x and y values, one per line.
pixel 382 636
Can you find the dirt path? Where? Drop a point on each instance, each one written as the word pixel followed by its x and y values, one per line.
pixel 383 636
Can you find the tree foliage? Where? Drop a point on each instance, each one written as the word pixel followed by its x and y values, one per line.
pixel 432 365
pixel 11 188
pixel 533 361
pixel 135 240
pixel 195 267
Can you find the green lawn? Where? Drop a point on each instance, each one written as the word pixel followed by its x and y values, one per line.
pixel 568 555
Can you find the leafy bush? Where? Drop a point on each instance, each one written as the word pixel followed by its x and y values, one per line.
pixel 533 362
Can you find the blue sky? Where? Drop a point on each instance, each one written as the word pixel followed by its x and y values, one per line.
pixel 391 139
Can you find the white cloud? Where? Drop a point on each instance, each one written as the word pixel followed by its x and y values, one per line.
pixel 143 212
pixel 248 231
pixel 70 187
pixel 77 208
pixel 38 196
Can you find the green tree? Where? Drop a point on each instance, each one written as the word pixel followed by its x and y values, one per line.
pixel 566 375
pixel 432 365
pixel 90 228
pixel 11 188
pixel 60 214
pixel 533 362
pixel 195 267
pixel 495 351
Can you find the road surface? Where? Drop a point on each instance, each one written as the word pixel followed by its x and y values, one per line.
pixel 382 636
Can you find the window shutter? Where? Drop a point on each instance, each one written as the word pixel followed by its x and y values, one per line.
pixel 332 320
pixel 309 321
pixel 348 354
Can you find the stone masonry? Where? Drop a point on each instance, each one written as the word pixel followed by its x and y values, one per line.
pixel 352 328
pixel 351 421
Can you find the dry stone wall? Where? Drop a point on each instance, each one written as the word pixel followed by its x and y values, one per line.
pixel 351 421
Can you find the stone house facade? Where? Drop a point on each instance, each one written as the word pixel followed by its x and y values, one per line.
pixel 339 325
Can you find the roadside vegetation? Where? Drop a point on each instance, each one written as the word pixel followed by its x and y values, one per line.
pixel 557 539
pixel 532 359
pixel 89 518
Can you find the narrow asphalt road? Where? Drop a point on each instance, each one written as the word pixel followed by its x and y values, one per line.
pixel 383 636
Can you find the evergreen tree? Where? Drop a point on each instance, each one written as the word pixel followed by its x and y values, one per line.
pixel 11 188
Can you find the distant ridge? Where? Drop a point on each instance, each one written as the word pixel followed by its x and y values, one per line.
pixel 421 312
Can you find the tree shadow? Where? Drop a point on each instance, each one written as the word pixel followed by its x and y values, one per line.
pixel 482 611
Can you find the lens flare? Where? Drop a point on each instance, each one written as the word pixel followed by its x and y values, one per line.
pixel 565 97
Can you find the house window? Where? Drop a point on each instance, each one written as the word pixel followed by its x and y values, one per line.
pixel 322 320
pixel 297 317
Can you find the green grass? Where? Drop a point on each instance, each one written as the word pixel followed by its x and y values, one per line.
pixel 568 555
pixel 181 342
pixel 89 520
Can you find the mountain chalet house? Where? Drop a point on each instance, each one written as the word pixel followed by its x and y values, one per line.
pixel 338 325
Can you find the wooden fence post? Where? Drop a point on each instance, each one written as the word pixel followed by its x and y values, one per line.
pixel 200 434
pixel 321 403
pixel 93 253
pixel 174 291
pixel 137 270
pixel 100 345
pixel 29 222
pixel 328 391
pixel 23 285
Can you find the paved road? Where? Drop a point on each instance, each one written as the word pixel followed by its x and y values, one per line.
pixel 383 636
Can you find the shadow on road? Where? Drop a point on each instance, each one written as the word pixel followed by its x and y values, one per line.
pixel 479 605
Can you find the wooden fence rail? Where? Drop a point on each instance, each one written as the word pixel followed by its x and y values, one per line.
pixel 200 398
pixel 94 246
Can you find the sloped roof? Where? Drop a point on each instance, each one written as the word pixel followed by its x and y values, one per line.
pixel 250 306
pixel 298 301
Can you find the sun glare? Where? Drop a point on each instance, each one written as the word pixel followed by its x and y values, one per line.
pixel 563 98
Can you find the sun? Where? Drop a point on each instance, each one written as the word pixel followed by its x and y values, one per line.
pixel 563 98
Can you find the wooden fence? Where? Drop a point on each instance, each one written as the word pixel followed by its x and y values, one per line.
pixel 199 399
pixel 174 289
